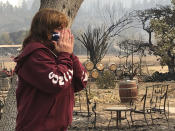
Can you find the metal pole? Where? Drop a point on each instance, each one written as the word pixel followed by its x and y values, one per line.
pixel 132 59
pixel 87 101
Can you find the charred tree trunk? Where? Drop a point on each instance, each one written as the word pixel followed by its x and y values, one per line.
pixel 171 69
pixel 140 64
pixel 70 8
pixel 171 63
pixel 8 120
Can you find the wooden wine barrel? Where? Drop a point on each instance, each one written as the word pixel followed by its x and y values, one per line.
pixel 112 66
pixel 94 73
pixel 100 66
pixel 128 90
pixel 88 65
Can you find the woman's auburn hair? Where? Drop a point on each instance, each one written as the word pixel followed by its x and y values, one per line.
pixel 43 24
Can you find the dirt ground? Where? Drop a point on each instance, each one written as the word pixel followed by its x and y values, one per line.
pixel 110 97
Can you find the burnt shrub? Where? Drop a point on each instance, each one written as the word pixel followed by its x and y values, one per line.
pixel 106 80
pixel 160 77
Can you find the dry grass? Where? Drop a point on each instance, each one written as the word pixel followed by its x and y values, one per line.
pixel 150 64
pixel 114 59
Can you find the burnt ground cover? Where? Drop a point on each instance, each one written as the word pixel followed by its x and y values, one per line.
pixel 110 97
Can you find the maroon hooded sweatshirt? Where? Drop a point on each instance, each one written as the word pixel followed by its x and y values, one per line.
pixel 46 86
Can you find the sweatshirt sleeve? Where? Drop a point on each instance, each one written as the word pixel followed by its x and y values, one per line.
pixel 42 71
pixel 80 76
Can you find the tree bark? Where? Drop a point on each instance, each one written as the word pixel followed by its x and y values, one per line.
pixel 69 7
pixel 8 120
pixel 170 68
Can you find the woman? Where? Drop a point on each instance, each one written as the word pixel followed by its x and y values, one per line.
pixel 48 75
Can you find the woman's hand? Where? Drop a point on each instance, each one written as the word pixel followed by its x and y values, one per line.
pixel 65 42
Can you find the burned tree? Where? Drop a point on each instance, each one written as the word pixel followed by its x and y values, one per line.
pixel 96 42
pixel 129 48
pixel 98 39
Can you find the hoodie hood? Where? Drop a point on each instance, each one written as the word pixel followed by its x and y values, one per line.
pixel 27 51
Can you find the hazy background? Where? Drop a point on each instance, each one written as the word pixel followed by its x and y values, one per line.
pixel 16 16
pixel 19 18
